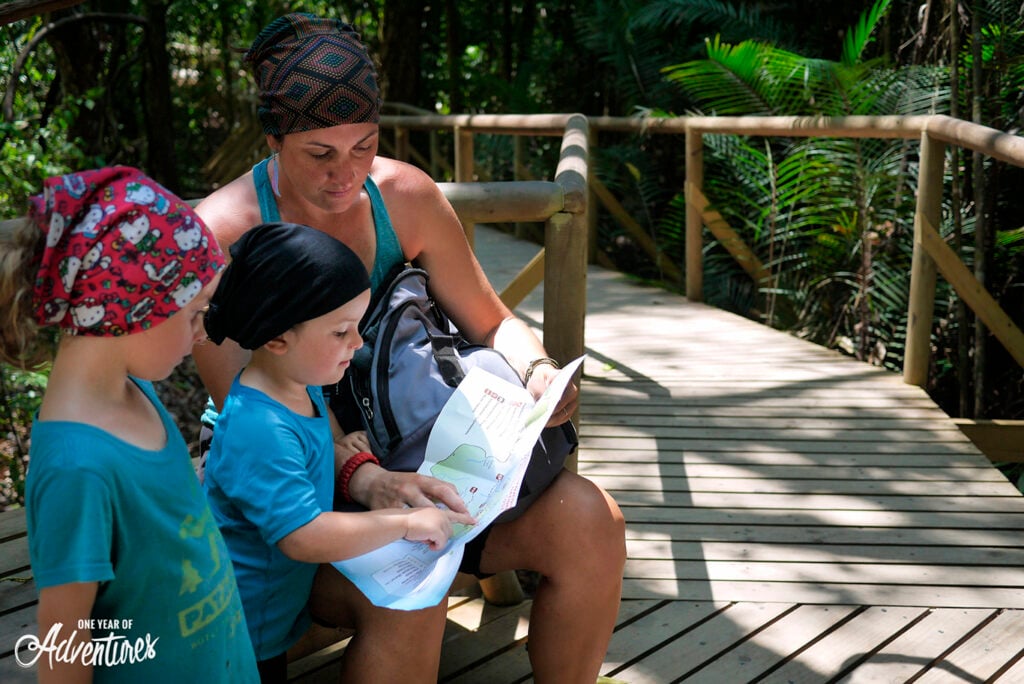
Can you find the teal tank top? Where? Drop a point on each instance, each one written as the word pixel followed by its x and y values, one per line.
pixel 389 251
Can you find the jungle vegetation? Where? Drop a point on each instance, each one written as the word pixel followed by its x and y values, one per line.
pixel 159 84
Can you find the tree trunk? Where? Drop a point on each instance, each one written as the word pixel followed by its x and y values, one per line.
pixel 454 57
pixel 963 350
pixel 981 207
pixel 159 130
pixel 400 66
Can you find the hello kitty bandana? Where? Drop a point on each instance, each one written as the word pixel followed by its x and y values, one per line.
pixel 122 253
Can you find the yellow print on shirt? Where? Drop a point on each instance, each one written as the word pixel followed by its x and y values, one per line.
pixel 208 608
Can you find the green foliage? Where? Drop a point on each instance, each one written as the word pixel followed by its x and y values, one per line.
pixel 830 218
pixel 21 393
pixel 35 145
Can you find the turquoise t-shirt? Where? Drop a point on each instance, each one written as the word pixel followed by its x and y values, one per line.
pixel 136 521
pixel 269 472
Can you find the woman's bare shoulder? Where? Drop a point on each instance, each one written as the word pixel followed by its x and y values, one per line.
pixel 231 210
pixel 397 179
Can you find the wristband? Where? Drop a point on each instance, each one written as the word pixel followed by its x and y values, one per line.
pixel 349 467
pixel 533 366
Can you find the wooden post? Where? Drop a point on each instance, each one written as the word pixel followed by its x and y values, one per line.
pixel 401 143
pixel 921 308
pixel 592 204
pixel 435 154
pixel 518 152
pixel 464 169
pixel 694 221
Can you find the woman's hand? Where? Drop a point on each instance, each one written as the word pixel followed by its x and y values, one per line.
pixel 541 377
pixel 351 444
pixel 375 487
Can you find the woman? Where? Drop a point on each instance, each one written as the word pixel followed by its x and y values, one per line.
pixel 320 110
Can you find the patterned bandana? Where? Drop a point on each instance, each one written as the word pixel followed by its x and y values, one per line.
pixel 122 253
pixel 312 73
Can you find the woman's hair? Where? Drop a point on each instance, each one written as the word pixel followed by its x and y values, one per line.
pixel 20 343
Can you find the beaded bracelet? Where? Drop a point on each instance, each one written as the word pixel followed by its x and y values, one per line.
pixel 349 467
pixel 533 366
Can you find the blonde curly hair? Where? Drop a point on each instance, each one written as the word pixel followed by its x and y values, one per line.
pixel 21 345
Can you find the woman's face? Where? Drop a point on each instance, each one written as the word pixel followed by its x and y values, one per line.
pixel 327 166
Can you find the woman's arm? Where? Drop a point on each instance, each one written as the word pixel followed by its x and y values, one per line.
pixel 63 607
pixel 431 234
pixel 229 213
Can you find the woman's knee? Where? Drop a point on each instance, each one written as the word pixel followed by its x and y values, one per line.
pixel 574 518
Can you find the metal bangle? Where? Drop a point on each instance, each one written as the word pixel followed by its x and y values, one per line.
pixel 533 366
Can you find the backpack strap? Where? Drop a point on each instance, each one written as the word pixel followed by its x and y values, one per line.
pixel 447 359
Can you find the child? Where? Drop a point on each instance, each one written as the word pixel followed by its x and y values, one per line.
pixel 134 579
pixel 294 296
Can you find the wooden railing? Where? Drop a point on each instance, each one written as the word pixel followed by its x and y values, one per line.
pixel 931 254
pixel 568 210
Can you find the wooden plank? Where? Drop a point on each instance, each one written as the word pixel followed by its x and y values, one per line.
pixel 751 551
pixel 13 626
pixel 12 523
pixel 595 408
pixel 665 484
pixel 947 435
pixel 911 652
pixel 513 664
pixel 974 540
pixel 491 638
pixel 895 574
pixel 629 645
pixel 648 421
pixel 1014 673
pixel 771 455
pixel 682 653
pixel 771 645
pixel 14 557
pixel 851 642
pixel 829 518
pixel 804 592
pixel 784 471
pixel 984 653
pixel 17 592
pixel 940 504
pixel 12 673
pixel 738 449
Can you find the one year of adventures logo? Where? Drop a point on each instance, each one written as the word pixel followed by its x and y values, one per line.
pixel 101 651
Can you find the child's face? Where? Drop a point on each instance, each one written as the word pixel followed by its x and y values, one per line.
pixel 164 346
pixel 323 347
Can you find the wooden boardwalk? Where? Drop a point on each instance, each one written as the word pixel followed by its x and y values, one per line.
pixel 792 515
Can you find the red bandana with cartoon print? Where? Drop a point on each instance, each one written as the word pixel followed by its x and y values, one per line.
pixel 122 253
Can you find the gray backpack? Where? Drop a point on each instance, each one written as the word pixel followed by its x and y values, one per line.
pixel 411 361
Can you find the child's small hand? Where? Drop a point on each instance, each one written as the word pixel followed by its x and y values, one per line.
pixel 433 526
pixel 352 443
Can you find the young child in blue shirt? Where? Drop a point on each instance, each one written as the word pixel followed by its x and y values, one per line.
pixel 294 296
pixel 135 583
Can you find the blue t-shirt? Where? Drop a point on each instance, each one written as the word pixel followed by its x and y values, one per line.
pixel 270 471
pixel 136 521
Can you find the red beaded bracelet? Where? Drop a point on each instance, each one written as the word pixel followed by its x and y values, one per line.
pixel 349 468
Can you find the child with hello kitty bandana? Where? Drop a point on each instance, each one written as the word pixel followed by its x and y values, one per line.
pixel 135 582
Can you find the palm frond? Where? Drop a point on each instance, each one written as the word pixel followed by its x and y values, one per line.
pixel 861 34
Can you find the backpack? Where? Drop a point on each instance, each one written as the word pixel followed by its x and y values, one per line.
pixel 411 361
